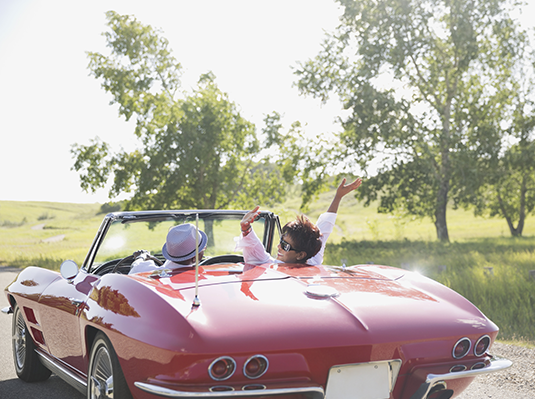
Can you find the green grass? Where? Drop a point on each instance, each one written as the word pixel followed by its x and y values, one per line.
pixel 25 244
pixel 506 296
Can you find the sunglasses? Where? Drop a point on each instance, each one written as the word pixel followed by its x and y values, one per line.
pixel 287 247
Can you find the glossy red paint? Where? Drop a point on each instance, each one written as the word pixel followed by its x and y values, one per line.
pixel 302 336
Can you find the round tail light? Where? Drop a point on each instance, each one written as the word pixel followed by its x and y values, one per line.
pixel 461 348
pixel 482 345
pixel 256 366
pixel 222 368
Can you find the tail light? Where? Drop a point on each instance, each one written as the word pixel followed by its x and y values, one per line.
pixel 461 348
pixel 482 345
pixel 222 368
pixel 256 366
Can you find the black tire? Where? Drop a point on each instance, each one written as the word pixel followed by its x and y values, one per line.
pixel 27 363
pixel 105 379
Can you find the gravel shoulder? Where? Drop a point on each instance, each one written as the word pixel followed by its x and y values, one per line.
pixel 517 382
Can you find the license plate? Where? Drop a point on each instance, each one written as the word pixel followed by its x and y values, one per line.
pixel 373 380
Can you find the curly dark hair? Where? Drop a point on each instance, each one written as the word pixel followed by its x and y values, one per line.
pixel 304 234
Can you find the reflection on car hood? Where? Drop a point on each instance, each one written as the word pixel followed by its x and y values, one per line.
pixel 368 298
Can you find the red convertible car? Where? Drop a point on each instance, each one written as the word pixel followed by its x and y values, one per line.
pixel 291 331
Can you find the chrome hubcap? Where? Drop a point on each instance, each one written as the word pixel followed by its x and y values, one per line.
pixel 19 340
pixel 102 376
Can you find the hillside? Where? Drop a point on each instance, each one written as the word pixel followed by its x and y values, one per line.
pixel 44 233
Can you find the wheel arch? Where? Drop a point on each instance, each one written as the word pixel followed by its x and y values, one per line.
pixel 90 334
pixel 12 301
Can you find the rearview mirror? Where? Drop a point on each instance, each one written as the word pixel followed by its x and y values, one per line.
pixel 69 270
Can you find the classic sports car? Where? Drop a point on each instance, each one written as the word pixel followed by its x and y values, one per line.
pixel 292 331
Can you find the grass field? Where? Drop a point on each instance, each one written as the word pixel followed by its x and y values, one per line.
pixel 482 262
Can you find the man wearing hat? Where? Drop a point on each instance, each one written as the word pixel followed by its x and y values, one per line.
pixel 178 250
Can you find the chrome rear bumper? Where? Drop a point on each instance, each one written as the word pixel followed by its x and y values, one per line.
pixel 432 380
pixel 311 392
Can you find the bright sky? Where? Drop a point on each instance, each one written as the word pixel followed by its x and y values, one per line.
pixel 48 101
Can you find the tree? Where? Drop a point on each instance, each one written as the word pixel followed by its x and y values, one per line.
pixel 509 189
pixel 196 150
pixel 505 173
pixel 449 59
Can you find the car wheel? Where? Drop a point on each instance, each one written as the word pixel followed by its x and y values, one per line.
pixel 105 379
pixel 27 364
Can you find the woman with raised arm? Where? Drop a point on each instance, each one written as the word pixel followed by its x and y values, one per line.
pixel 302 241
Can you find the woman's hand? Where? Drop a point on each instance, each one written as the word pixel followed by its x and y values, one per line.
pixel 249 218
pixel 344 189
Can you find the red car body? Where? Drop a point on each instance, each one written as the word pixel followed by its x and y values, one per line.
pixel 363 331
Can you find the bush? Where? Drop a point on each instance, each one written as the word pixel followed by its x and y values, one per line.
pixel 45 216
pixel 109 207
pixel 9 223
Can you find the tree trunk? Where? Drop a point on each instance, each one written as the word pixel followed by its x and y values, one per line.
pixel 516 231
pixel 440 212
pixel 444 172
pixel 209 230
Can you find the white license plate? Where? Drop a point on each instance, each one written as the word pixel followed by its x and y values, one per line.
pixel 362 381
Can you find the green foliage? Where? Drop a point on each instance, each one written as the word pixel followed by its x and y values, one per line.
pixel 9 223
pixel 423 145
pixel 141 74
pixel 109 207
pixel 508 188
pixel 197 151
pixel 299 158
pixel 94 162
pixel 45 216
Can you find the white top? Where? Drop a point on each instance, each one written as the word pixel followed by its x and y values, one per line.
pixel 254 252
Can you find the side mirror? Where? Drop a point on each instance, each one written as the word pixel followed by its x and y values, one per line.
pixel 69 270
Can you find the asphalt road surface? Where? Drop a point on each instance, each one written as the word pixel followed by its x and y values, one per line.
pixel 513 383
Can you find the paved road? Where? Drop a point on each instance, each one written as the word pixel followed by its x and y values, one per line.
pixel 495 386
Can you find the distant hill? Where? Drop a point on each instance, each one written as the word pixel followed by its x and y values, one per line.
pixel 46 233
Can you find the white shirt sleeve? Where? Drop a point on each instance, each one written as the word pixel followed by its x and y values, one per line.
pixel 325 224
pixel 253 249
pixel 140 265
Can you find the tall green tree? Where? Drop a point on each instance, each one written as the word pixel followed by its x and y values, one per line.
pixel 196 150
pixel 500 179
pixel 509 189
pixel 422 81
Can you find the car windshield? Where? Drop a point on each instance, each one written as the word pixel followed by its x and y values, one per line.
pixel 124 237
